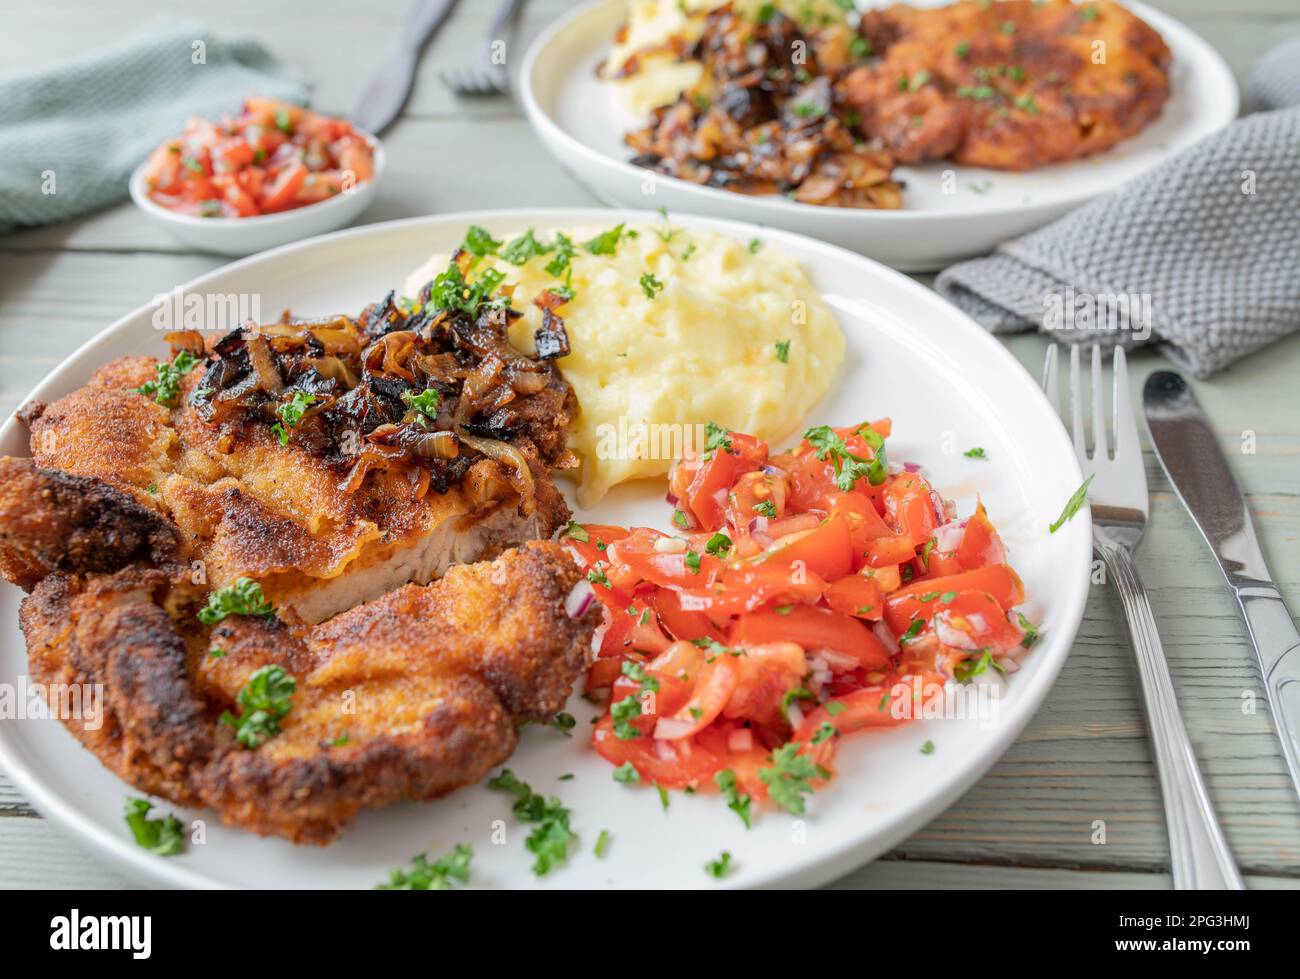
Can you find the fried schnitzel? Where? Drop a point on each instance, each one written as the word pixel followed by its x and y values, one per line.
pixel 821 109
pixel 408 696
pixel 1011 85
pixel 329 461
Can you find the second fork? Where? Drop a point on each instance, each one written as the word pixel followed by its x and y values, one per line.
pixel 1117 489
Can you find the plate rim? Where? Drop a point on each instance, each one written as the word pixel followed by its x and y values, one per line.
pixel 548 129
pixel 836 860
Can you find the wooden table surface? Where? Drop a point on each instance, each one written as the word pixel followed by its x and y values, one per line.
pixel 1029 821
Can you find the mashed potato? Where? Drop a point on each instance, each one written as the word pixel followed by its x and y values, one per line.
pixel 661 78
pixel 672 331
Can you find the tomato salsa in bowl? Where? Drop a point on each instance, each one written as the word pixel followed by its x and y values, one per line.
pixel 272 174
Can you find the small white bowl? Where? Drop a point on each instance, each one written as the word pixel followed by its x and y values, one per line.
pixel 244 236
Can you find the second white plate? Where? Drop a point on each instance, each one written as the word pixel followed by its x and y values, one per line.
pixel 944 219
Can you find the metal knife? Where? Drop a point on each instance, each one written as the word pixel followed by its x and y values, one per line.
pixel 387 91
pixel 1190 454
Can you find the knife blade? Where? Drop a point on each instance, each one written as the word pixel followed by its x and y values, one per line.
pixel 387 91
pixel 1191 457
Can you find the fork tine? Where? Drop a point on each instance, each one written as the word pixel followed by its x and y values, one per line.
pixel 1051 378
pixel 1076 405
pixel 1126 433
pixel 1099 448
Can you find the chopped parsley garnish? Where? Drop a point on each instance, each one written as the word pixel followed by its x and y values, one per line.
pixel 716 437
pixel 191 164
pixel 663 796
pixel 340 741
pixel 975 453
pixel 859 48
pixel 789 778
pixel 718 868
pixel 650 285
pixel 283 121
pixel 912 631
pixel 849 468
pixel 692 560
pixel 681 520
pixel 1088 13
pixel 927 748
pixel 263 703
pixel 718 545
pixel 244 597
pixel 795 693
pixel 216 652
pixel 1007 27
pixel 783 609
pixel 926 548
pixel 783 351
pixel 450 291
pixel 623 713
pixel 291 412
pixel 606 243
pixel 162 837
pixel 597 575
pixel 825 731
pixel 550 840
pixel 523 248
pixel 835 708
pixel 479 243
pixel 963 49
pixel 754 245
pixel 564 723
pixel 577 532
pixel 559 264
pixel 765 508
pixel 602 844
pixel 688 251
pixel 976 665
pixel 737 801
pixel 422 875
pixel 627 774
pixel 1027 103
pixel 635 671
pixel 1072 506
pixel 425 404
pixel 164 388
pixel 1031 630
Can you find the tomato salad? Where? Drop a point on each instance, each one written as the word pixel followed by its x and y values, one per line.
pixel 272 157
pixel 798 590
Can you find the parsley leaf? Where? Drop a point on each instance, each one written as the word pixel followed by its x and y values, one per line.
pixel 523 248
pixel 167 385
pixel 737 801
pixel 244 597
pixel 718 868
pixel 1031 630
pixel 479 243
pixel 550 840
pixel 626 774
pixel 436 876
pixel 974 666
pixel 425 404
pixel 975 453
pixel 162 837
pixel 650 285
pixel 606 243
pixel 559 265
pixel 263 703
pixel 1072 506
pixel 789 778
pixel 716 437
pixel 718 545
pixel 783 351
pixel 577 532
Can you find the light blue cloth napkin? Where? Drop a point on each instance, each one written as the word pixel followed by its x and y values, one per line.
pixel 71 133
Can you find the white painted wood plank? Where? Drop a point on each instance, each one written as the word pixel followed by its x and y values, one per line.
pixel 909 875
pixel 36 854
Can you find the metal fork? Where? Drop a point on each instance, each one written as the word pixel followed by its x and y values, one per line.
pixel 485 78
pixel 1199 855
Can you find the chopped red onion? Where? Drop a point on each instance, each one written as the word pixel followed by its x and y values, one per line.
pixel 742 739
pixel 579 600
pixel 885 636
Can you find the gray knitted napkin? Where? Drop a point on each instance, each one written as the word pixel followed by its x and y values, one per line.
pixel 1201 254
pixel 71 133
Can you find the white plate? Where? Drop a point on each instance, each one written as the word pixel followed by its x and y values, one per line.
pixel 948 386
pixel 578 119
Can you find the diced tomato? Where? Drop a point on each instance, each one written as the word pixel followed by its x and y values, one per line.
pixel 713 689
pixel 856 595
pixel 751 586
pixel 909 507
pixel 643 560
pixel 978 616
pixel 827 550
pixel 980 545
pixel 706 496
pixel 812 628
pixel 672 764
pixel 885 551
pixel 280 195
pixel 681 623
pixel 998 580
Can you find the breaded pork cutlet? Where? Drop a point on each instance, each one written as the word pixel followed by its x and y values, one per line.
pixel 331 461
pixel 408 696
pixel 1012 85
